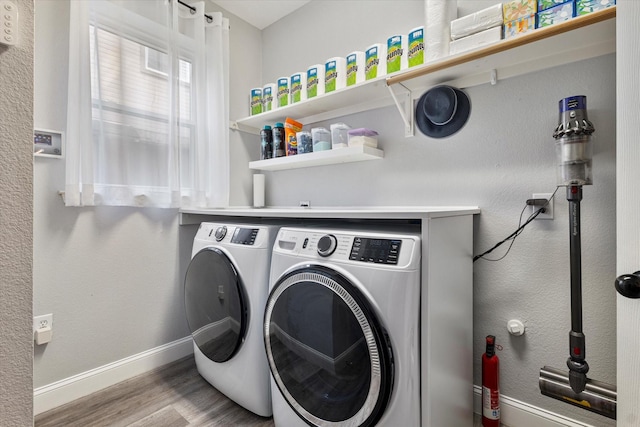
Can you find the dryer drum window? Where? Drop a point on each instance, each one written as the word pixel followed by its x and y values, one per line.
pixel 216 305
pixel 327 352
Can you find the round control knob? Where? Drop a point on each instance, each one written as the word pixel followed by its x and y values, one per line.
pixel 220 233
pixel 327 245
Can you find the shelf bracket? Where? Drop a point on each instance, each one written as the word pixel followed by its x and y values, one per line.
pixel 493 78
pixel 243 128
pixel 404 102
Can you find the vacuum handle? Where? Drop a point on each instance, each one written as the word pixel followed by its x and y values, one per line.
pixel 628 285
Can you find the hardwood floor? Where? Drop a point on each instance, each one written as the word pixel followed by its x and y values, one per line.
pixel 174 395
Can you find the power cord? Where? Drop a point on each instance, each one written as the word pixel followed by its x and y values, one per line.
pixel 530 202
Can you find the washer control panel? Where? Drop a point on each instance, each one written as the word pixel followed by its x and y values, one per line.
pixel 327 245
pixel 393 249
pixel 379 251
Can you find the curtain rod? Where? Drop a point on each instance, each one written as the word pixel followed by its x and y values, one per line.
pixel 193 10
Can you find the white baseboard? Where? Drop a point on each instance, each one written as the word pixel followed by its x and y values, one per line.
pixel 516 413
pixel 64 391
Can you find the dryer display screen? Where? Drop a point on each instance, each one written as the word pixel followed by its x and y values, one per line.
pixel 379 251
pixel 244 236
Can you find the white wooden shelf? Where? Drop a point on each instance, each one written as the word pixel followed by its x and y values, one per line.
pixel 361 97
pixel 583 37
pixel 320 158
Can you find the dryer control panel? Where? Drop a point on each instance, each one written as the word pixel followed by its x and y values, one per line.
pixel 244 236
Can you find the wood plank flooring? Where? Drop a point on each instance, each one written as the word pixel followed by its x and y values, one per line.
pixel 174 395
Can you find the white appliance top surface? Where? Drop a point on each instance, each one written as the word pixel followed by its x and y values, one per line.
pixel 361 212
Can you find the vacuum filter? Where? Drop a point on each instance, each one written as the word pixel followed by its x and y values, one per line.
pixel 573 142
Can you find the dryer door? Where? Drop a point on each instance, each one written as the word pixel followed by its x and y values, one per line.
pixel 215 303
pixel 327 352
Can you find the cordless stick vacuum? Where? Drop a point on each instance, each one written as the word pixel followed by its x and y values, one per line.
pixel 573 149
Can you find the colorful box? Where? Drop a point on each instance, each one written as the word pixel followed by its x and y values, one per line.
pixel 519 26
pixel 476 22
pixel 476 40
pixel 560 13
pixel 548 4
pixel 516 9
pixel 584 7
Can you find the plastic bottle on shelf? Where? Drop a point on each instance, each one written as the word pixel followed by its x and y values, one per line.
pixel 279 140
pixel 266 143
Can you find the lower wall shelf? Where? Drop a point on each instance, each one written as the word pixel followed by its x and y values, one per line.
pixel 320 158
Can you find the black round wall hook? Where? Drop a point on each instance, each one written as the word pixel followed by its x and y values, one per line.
pixel 628 285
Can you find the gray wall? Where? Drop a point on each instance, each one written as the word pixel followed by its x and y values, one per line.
pixel 111 276
pixel 16 219
pixel 503 155
pixel 102 271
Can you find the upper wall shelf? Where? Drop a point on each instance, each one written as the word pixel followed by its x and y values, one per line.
pixel 583 37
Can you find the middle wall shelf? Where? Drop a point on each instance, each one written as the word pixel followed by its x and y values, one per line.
pixel 319 158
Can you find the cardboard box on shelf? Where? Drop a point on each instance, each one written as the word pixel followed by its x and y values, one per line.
pixel 560 13
pixel 476 22
pixel 519 26
pixel 475 41
pixel 584 7
pixel 516 9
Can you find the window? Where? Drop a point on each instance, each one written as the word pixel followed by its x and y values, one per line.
pixel 157 62
pixel 156 133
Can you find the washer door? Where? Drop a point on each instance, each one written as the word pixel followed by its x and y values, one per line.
pixel 215 303
pixel 327 352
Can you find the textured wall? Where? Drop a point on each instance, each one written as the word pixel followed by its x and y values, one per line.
pixel 504 153
pixel 16 213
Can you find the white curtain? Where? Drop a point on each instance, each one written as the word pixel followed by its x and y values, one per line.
pixel 147 113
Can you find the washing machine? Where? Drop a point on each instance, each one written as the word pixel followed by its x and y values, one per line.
pixel 341 327
pixel 225 291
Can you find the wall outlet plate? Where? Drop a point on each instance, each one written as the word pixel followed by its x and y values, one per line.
pixel 42 321
pixel 548 214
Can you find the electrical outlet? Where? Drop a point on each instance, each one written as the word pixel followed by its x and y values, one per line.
pixel 43 321
pixel 548 213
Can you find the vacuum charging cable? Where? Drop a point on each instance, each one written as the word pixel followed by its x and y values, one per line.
pixel 542 203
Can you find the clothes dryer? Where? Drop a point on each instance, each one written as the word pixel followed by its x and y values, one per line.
pixel 225 291
pixel 342 326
